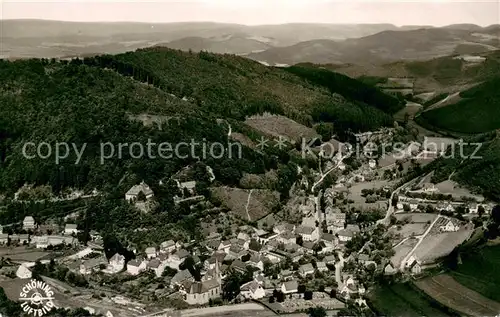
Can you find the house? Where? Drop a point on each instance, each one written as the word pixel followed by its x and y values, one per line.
pixel 284 227
pixel 329 240
pixel 372 163
pixel 446 206
pixel 239 266
pixel 345 235
pixel 266 237
pixel 157 266
pixel 416 268
pixel 243 236
pixel 200 293
pixel 151 253
pixel 335 221
pixel 136 266
pixel 399 206
pixel 308 233
pixel 473 208
pixel 133 193
pixel 429 188
pixel 181 277
pixel 167 246
pixel 413 205
pixel 215 259
pixel 177 258
pixel 116 263
pixel 93 265
pixel 225 246
pixel 329 259
pixel 321 266
pixel 256 261
pixel 189 186
pixel 23 272
pixel 286 237
pixel 289 287
pixel 252 290
pixel 306 269
pixel 28 223
pixel 390 269
pixel 450 225
pixel 70 229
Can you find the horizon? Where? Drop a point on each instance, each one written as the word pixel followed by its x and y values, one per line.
pixel 436 13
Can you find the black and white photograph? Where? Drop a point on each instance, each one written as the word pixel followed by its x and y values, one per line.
pixel 249 158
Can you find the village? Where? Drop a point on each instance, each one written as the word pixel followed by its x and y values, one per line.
pixel 325 249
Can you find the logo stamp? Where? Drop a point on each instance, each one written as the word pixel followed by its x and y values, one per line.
pixel 36 297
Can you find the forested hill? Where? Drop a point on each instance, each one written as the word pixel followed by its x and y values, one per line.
pixel 92 100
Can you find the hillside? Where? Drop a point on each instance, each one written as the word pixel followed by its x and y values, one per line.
pixel 224 45
pixel 477 111
pixel 90 102
pixel 383 47
pixel 480 173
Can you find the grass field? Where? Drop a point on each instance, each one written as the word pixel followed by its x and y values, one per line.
pixel 480 272
pixel 450 293
pixel 403 301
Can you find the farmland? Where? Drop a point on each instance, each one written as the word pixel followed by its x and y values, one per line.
pixel 247 204
pixel 403 301
pixel 479 272
pixel 437 245
pixel 276 126
pixel 449 292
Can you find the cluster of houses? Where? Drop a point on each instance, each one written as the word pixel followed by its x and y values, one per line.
pixel 409 204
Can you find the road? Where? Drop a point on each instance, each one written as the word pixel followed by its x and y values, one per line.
pixel 329 171
pixel 420 239
pixel 248 203
pixel 390 209
pixel 338 269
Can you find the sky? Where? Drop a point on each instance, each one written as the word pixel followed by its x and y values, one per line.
pixel 253 12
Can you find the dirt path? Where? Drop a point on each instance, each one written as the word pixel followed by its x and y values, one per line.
pixel 248 204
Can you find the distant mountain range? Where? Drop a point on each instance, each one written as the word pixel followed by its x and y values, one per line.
pixel 286 43
pixel 387 46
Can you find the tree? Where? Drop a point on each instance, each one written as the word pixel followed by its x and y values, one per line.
pixel 495 214
pixel 316 312
pixel 301 288
pixel 299 240
pixel 308 295
pixel 271 299
pixel 141 196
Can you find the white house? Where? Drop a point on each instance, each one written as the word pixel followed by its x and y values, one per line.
pixel 345 235
pixel 167 246
pixel 289 287
pixel 28 223
pixel 413 205
pixel 23 272
pixel 70 229
pixel 473 208
pixel 283 227
pixel 389 269
pixel 116 263
pixel 451 225
pixel 286 238
pixel 133 193
pixel 252 290
pixel 321 266
pixel 306 269
pixel 136 266
pixel 372 163
pixel 308 233
pixel 151 253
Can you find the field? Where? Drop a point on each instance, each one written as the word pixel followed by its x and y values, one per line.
pixel 449 292
pixel 457 191
pixel 276 126
pixel 411 229
pixel 248 204
pixel 479 272
pixel 411 109
pixel 402 301
pixel 402 250
pixel 416 217
pixel 438 245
